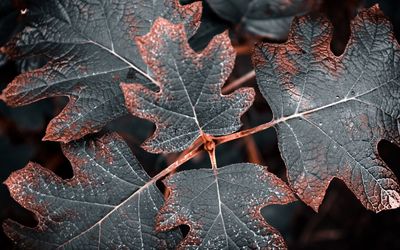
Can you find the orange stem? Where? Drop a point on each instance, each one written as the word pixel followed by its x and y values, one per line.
pixel 235 84
pixel 244 133
pixel 174 166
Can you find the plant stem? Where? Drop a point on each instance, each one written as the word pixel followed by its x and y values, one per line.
pixel 244 133
pixel 174 166
pixel 252 151
pixel 213 159
pixel 235 84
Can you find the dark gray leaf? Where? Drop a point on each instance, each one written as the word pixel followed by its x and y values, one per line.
pixel 211 25
pixel 270 18
pixel 108 204
pixel 222 208
pixel 331 112
pixel 189 104
pixel 91 48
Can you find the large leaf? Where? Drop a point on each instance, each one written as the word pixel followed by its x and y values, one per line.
pixel 91 48
pixel 331 112
pixel 222 208
pixel 270 18
pixel 189 103
pixel 109 202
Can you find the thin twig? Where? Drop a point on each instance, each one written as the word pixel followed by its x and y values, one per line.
pixel 243 50
pixel 182 155
pixel 235 84
pixel 174 166
pixel 252 151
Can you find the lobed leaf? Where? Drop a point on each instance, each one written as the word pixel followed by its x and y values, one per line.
pixel 331 111
pixel 222 208
pixel 108 204
pixel 189 103
pixel 90 47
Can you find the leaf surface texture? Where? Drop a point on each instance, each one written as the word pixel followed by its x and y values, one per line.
pixel 90 47
pixel 222 208
pixel 331 112
pixel 108 204
pixel 189 103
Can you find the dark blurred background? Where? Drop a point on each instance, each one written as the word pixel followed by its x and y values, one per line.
pixel 342 223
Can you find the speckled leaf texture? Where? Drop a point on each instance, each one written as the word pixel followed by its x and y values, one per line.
pixel 269 18
pixel 332 111
pixel 222 208
pixel 189 103
pixel 91 48
pixel 108 204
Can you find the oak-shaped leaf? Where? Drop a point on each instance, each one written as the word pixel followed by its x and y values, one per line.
pixel 108 204
pixel 269 18
pixel 331 112
pixel 222 208
pixel 189 103
pixel 90 48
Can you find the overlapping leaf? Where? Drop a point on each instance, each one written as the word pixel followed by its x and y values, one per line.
pixel 108 204
pixel 332 111
pixel 270 18
pixel 223 208
pixel 211 25
pixel 91 48
pixel 189 103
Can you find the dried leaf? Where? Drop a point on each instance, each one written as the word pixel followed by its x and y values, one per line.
pixel 189 103
pixel 331 112
pixel 223 208
pixel 91 48
pixel 109 202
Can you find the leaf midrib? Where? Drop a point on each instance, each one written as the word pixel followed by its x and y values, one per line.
pixel 344 100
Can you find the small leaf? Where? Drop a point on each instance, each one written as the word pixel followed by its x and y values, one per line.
pixel 109 202
pixel 223 208
pixel 91 49
pixel 331 112
pixel 189 103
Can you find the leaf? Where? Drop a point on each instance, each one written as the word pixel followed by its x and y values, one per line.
pixel 109 203
pixel 189 103
pixel 91 48
pixel 223 208
pixel 211 25
pixel 331 112
pixel 269 18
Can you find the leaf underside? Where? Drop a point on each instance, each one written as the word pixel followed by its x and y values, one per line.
pixel 223 208
pixel 90 47
pixel 189 103
pixel 269 18
pixel 332 111
pixel 108 204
